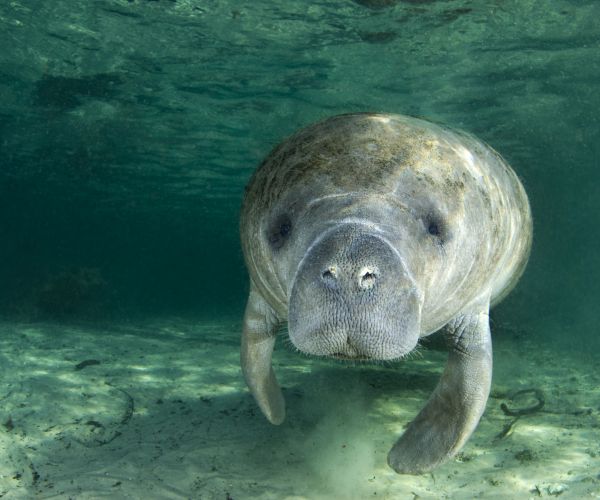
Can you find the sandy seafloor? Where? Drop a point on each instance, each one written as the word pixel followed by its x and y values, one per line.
pixel 165 414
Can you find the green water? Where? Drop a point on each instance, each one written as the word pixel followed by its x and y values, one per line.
pixel 128 129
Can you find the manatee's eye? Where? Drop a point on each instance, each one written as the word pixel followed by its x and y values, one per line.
pixel 285 228
pixel 433 229
pixel 436 226
pixel 279 231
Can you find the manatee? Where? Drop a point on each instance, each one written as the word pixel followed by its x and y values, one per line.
pixel 367 232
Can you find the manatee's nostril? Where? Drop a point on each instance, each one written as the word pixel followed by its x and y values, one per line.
pixel 330 274
pixel 367 277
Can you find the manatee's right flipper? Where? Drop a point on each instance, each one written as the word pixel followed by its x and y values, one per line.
pixel 258 340
pixel 455 407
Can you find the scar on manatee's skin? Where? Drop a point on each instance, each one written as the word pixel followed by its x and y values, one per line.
pixel 87 362
pixel 518 413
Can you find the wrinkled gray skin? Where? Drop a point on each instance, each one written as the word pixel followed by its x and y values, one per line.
pixel 367 232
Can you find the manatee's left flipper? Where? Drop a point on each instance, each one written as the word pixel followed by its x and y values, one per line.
pixel 258 340
pixel 455 407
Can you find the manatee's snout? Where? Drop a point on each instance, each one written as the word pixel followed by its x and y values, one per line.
pixel 352 297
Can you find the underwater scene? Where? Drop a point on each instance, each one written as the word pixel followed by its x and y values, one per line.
pixel 154 280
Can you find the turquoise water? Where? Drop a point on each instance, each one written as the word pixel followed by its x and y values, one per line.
pixel 128 130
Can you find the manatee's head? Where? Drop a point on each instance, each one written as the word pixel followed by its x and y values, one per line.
pixel 348 232
pixel 352 297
